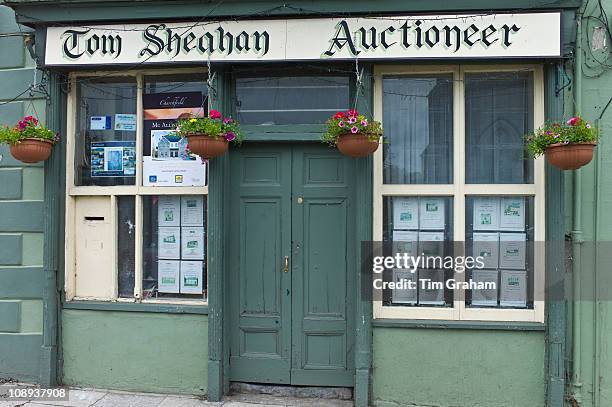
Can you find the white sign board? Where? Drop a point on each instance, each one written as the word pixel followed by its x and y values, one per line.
pixel 477 35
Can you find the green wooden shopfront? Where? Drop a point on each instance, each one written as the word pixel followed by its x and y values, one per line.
pixel 279 298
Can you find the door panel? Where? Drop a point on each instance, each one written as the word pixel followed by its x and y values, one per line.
pixel 322 256
pixel 297 326
pixel 260 237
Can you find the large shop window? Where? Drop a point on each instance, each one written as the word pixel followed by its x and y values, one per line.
pixel 453 180
pixel 136 211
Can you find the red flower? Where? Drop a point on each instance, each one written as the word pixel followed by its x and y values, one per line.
pixel 352 112
pixel 339 115
pixel 573 121
pixel 214 114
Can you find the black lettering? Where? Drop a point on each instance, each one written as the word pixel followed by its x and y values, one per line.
pixel 230 41
pixel 404 28
pixel 364 43
pixel 189 38
pixel 153 40
pixel 507 30
pixel 419 40
pixel 93 44
pixel 72 42
pixel 340 41
pixel 436 34
pixel 448 40
pixel 206 44
pixel 490 30
pixel 259 38
pixel 383 37
pixel 467 35
pixel 173 42
pixel 242 42
pixel 109 43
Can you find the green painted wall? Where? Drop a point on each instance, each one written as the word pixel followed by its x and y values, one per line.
pixel 458 367
pixel 594 344
pixel 150 352
pixel 21 237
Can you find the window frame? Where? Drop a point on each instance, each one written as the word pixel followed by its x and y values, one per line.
pixel 138 191
pixel 459 191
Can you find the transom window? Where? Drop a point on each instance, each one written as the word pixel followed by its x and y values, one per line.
pixel 454 169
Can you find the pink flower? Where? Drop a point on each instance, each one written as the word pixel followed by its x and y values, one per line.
pixel 588 126
pixel 352 112
pixel 352 119
pixel 228 120
pixel 354 129
pixel 364 122
pixel 230 136
pixel 573 121
pixel 340 123
pixel 214 114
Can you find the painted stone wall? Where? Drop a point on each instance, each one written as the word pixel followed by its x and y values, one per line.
pixel 150 352
pixel 21 225
pixel 458 367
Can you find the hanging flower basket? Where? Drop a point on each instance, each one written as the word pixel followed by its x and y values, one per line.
pixel 570 156
pixel 356 145
pixel 30 142
pixel 353 134
pixel 206 146
pixel 32 150
pixel 567 146
pixel 209 137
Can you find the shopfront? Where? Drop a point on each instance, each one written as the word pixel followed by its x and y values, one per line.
pixel 181 275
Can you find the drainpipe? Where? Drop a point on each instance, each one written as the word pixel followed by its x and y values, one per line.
pixel 576 233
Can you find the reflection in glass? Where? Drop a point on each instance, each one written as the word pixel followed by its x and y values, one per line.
pixel 498 114
pixel 126 245
pixel 418 123
pixel 290 100
pixel 105 145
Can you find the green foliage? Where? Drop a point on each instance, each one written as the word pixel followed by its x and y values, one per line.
pixel 29 127
pixel 212 126
pixel 575 130
pixel 350 122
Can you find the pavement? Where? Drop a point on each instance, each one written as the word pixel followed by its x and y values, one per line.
pixel 110 398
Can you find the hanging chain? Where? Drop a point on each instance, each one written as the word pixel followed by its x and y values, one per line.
pixel 358 82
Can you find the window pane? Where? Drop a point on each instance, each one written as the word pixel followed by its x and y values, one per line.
pixel 174 246
pixel 419 226
pixel 290 100
pixel 498 113
pixel 166 157
pixel 126 245
pixel 501 230
pixel 105 145
pixel 418 123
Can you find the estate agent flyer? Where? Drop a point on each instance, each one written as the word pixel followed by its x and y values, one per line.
pixel 431 213
pixel 486 245
pixel 405 241
pixel 192 243
pixel 513 289
pixel 486 213
pixel 169 210
pixel 169 243
pixel 485 297
pixel 512 248
pixel 512 214
pixel 168 276
pixel 405 213
pixel 406 295
pixel 191 277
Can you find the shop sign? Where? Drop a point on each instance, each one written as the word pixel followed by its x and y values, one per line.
pixel 479 35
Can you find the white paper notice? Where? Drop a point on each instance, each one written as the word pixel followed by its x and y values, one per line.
pixel 192 210
pixel 486 213
pixel 512 214
pixel 485 297
pixel 486 245
pixel 513 289
pixel 156 173
pixel 406 288
pixel 125 122
pixel 431 213
pixel 168 276
pixel 512 248
pixel 431 287
pixel 169 243
pixel 192 243
pixel 405 213
pixel 191 277
pixel 405 241
pixel 431 243
pixel 99 123
pixel 169 210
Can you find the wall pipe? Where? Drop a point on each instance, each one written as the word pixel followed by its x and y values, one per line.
pixel 576 233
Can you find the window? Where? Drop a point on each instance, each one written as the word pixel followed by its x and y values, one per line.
pixel 453 180
pixel 137 198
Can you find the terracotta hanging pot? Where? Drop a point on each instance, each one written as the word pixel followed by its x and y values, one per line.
pixel 32 150
pixel 206 146
pixel 570 156
pixel 356 145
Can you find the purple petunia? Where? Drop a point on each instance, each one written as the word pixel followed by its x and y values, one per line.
pixel 230 136
pixel 352 119
pixel 354 129
pixel 340 123
pixel 228 120
pixel 364 122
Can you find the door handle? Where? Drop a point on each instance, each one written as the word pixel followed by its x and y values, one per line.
pixel 286 264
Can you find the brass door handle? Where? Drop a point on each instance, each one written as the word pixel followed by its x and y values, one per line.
pixel 286 264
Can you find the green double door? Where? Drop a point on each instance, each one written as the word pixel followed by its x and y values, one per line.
pixel 292 265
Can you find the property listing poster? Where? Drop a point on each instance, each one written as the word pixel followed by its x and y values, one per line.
pixel 166 160
pixel 113 159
